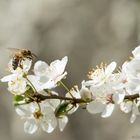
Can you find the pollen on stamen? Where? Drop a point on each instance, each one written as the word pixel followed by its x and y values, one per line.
pixel 101 65
pixel 90 73
pixel 96 72
pixel 37 114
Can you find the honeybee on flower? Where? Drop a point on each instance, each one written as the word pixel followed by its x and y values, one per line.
pixel 17 82
pixel 37 102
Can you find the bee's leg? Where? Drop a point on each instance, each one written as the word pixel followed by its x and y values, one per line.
pixel 30 57
pixel 20 65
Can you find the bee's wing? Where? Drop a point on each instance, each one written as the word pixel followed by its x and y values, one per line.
pixel 34 55
pixel 13 51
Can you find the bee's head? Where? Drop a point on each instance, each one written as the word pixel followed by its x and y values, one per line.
pixel 26 52
pixel 29 52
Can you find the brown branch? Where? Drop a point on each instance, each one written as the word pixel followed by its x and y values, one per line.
pixel 39 98
pixel 131 97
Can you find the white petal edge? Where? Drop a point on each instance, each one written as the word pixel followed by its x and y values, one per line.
pixel 108 110
pixel 95 107
pixel 49 125
pixel 30 126
pixel 136 52
pixel 118 97
pixel 126 106
pixel 63 122
pixel 133 118
pixel 110 68
pixel 8 78
pixel 40 68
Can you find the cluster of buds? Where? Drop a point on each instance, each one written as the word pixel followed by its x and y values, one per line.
pixel 37 102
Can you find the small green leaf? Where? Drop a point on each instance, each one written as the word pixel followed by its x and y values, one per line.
pixel 61 109
pixel 18 98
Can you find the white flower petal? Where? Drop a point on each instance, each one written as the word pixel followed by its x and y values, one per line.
pixel 59 78
pixel 30 126
pixel 126 106
pixel 23 110
pixel 8 78
pixel 49 125
pixel 118 97
pixel 57 68
pixel 17 86
pixel 110 68
pixel 35 81
pixel 133 118
pixel 48 122
pixel 95 107
pixel 88 83
pixel 47 108
pixel 136 52
pixel 26 64
pixel 108 110
pixel 59 65
pixel 85 93
pixel 33 107
pixel 48 85
pixel 54 102
pixel 40 68
pixel 62 122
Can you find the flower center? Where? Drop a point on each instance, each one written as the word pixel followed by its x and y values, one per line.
pixel 109 99
pixel 37 114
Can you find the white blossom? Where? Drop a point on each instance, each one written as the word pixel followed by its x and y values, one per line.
pixel 106 90
pixel 36 117
pixel 16 83
pixel 131 106
pixel 100 75
pixel 47 76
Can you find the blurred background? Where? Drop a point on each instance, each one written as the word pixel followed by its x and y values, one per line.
pixel 88 32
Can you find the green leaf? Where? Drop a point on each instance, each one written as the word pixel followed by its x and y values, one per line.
pixel 17 99
pixel 61 109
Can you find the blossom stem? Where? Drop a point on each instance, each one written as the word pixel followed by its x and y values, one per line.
pixel 131 97
pixel 41 97
pixel 29 96
pixel 66 88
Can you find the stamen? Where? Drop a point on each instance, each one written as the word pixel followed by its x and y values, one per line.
pixel 37 114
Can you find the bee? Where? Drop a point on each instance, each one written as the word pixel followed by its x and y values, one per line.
pixel 20 55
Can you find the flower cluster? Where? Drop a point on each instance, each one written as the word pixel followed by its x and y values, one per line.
pixel 37 102
pixel 111 88
pixel 27 88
